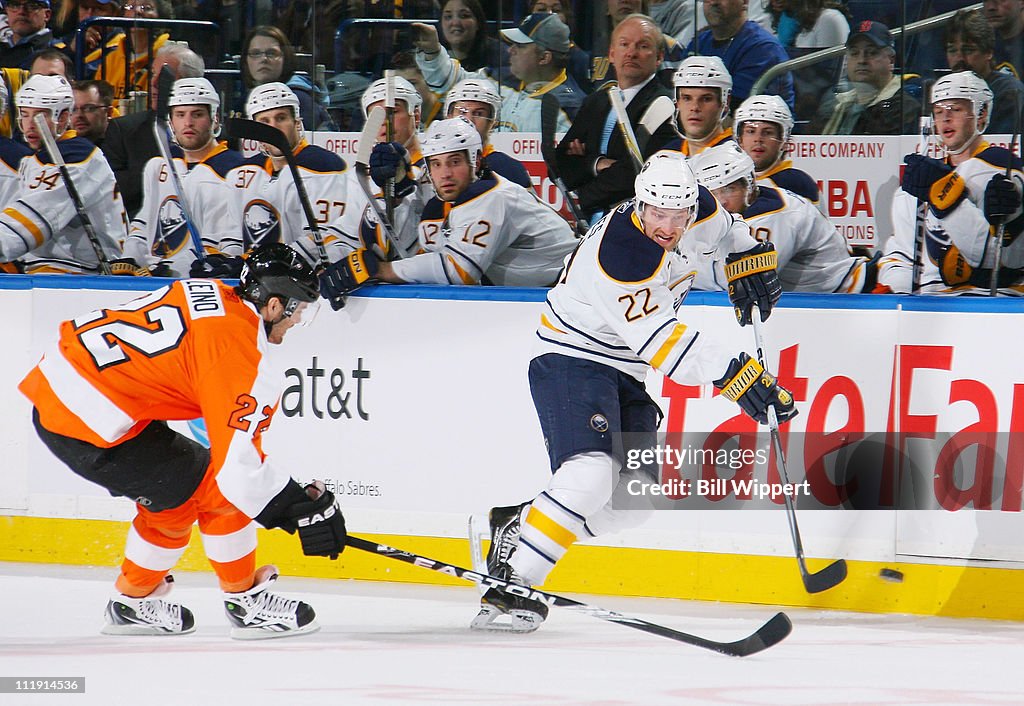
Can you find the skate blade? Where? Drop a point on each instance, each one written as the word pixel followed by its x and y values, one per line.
pixel 269 633
pixel 494 620
pixel 133 629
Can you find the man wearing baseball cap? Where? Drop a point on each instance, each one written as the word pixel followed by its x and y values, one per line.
pixel 538 56
pixel 876 103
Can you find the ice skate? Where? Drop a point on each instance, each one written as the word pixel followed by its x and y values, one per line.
pixel 259 613
pixel 507 612
pixel 504 522
pixel 149 615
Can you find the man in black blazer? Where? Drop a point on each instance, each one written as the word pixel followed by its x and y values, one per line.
pixel 602 174
pixel 129 142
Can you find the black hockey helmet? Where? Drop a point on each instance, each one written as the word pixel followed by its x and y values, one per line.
pixel 274 269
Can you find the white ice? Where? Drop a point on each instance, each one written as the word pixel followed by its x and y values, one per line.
pixel 391 644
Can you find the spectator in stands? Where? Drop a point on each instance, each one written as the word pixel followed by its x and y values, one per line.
pixel 592 157
pixel 464 35
pixel 878 103
pixel 540 46
pixel 129 142
pixel 746 48
pixel 970 43
pixel 1007 19
pixel 810 24
pixel 579 60
pixel 404 64
pixel 267 57
pixel 131 50
pixel 676 19
pixel 94 106
pixel 73 13
pixel 52 62
pixel 29 33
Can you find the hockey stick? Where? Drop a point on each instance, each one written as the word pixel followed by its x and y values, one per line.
pixel 389 135
pixel 834 573
pixel 549 110
pixel 661 109
pixel 1001 228
pixel 627 129
pixel 76 198
pixel 367 139
pixel 164 83
pixel 917 265
pixel 772 632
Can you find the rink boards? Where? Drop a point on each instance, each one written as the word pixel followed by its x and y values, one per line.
pixel 413 404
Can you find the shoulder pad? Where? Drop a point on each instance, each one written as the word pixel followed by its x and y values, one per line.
pixel 999 157
pixel 797 181
pixel 75 150
pixel 625 253
pixel 317 159
pixel 433 210
pixel 707 204
pixel 12 152
pixel 477 188
pixel 675 144
pixel 768 201
pixel 225 161
pixel 256 160
pixel 510 168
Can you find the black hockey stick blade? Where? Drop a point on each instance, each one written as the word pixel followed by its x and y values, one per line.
pixel 260 132
pixel 164 83
pixel 549 109
pixel 771 633
pixel 832 575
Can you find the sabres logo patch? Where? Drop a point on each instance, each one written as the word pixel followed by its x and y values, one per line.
pixel 599 423
pixel 260 224
pixel 172 229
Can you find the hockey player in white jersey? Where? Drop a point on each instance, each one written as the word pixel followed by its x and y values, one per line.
pixel 967 195
pixel 615 314
pixel 39 225
pixel 159 232
pixel 11 154
pixel 764 125
pixel 480 229
pixel 268 198
pixel 400 160
pixel 702 86
pixel 812 255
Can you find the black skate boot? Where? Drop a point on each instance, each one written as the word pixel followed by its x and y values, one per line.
pixel 149 615
pixel 259 613
pixel 505 529
pixel 524 614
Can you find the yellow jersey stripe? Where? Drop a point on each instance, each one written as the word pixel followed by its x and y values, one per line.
pixel 668 345
pixel 27 223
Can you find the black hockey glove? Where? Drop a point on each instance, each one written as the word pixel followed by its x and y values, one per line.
pixel 753 280
pixel 390 160
pixel 348 274
pixel 321 525
pixel 218 266
pixel 1002 200
pixel 933 181
pixel 753 388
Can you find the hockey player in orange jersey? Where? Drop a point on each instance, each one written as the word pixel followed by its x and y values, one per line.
pixel 196 348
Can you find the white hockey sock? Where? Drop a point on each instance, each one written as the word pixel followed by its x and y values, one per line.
pixel 580 486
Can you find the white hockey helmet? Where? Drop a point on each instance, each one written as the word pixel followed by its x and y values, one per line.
pixel 474 89
pixel 721 165
pixel 404 91
pixel 268 96
pixel 666 181
pixel 966 85
pixel 194 91
pixel 452 135
pixel 50 92
pixel 767 109
pixel 704 72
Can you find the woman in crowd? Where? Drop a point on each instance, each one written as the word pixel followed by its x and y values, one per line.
pixel 464 35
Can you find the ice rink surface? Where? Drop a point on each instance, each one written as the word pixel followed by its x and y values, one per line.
pixel 391 644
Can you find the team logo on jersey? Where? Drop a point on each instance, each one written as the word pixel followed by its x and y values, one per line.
pixel 171 229
pixel 261 223
pixel 599 423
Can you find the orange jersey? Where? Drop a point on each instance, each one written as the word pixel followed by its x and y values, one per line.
pixel 192 349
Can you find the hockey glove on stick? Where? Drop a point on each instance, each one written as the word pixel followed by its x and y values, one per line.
pixel 933 181
pixel 348 274
pixel 320 523
pixel 390 160
pixel 127 267
pixel 218 266
pixel 753 388
pixel 1002 200
pixel 753 280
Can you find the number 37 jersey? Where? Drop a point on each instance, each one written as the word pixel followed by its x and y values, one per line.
pixel 192 349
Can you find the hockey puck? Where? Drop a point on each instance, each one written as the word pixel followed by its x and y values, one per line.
pixel 892 575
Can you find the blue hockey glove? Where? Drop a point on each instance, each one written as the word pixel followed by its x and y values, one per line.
pixel 753 280
pixel 348 274
pixel 390 160
pixel 753 388
pixel 933 181
pixel 1002 199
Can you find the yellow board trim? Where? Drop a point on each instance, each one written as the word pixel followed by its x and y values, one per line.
pixel 927 589
pixel 549 528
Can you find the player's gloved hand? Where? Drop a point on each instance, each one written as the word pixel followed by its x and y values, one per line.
pixel 753 388
pixel 1002 199
pixel 161 269
pixel 14 267
pixel 217 265
pixel 753 280
pixel 320 523
pixel 933 181
pixel 127 267
pixel 348 274
pixel 390 160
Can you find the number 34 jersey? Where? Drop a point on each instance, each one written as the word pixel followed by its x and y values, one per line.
pixel 193 349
